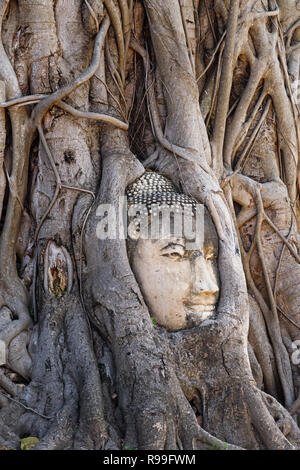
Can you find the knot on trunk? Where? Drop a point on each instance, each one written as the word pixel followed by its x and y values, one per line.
pixel 58 270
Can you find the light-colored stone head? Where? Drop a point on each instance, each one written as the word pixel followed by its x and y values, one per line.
pixel 180 285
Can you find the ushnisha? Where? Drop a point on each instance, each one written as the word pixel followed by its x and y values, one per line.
pixel 155 191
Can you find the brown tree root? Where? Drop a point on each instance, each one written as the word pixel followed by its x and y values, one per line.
pixel 230 396
pixel 63 405
pixel 13 293
pixel 17 357
pixel 254 189
pixel 115 18
pixel 214 443
pixel 45 104
pixel 259 403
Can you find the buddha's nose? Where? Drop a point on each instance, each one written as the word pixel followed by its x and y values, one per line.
pixel 204 278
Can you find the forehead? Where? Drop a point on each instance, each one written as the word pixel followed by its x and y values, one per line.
pixel 161 231
pixel 209 237
pixel 206 226
pixel 207 243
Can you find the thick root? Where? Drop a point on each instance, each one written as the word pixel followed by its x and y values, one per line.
pixel 17 357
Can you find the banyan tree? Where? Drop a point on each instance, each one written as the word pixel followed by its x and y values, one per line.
pixel 112 342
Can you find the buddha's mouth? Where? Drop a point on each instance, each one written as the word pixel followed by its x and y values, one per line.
pixel 201 307
pixel 196 314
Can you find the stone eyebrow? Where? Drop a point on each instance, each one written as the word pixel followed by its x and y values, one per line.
pixel 171 244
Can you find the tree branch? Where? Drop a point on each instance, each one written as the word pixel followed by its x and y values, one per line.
pixel 225 88
pixel 41 109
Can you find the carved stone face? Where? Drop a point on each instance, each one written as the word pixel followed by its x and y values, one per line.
pixel 180 286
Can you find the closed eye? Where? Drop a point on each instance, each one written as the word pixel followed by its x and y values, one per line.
pixel 173 251
pixel 174 255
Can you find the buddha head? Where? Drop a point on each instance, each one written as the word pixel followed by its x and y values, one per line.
pixel 178 279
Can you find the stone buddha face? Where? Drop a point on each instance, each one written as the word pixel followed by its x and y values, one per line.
pixel 180 285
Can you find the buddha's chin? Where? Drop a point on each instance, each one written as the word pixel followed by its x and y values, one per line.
pixel 189 317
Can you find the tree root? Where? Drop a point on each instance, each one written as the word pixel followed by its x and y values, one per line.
pixel 8 385
pixel 95 116
pixel 272 422
pixel 212 58
pixel 187 154
pixel 14 328
pixel 225 88
pixel 215 443
pixel 44 105
pixel 270 315
pixel 116 22
pixel 258 338
pixel 33 99
pixel 93 14
pixel 295 407
pixel 27 408
pixel 59 184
